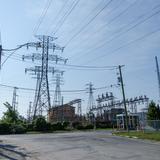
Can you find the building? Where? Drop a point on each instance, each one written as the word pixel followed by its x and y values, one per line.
pixel 62 113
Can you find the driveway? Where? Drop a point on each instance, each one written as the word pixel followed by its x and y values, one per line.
pixel 98 145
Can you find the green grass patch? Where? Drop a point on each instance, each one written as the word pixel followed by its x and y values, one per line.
pixel 141 135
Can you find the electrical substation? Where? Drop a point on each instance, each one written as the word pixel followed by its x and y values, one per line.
pixel 48 59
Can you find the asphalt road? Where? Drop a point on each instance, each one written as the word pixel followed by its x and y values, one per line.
pixel 98 145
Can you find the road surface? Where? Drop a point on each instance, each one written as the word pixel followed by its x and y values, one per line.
pixel 98 145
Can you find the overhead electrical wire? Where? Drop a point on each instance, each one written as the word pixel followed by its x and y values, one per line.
pixel 113 19
pixel 127 44
pixel 65 18
pixel 76 67
pixel 122 33
pixel 56 17
pixel 67 91
pixel 83 27
pixel 40 20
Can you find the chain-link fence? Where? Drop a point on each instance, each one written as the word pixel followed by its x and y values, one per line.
pixel 150 125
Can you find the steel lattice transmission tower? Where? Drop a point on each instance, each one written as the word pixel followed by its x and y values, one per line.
pixel 46 44
pixel 91 102
pixel 57 96
pixel 29 112
pixel 15 99
pixel 37 70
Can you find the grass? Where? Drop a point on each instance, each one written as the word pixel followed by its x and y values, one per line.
pixel 139 134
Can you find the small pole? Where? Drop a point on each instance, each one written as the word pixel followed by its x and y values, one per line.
pixel 124 99
pixel 62 111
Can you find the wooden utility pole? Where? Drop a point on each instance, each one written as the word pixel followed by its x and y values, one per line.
pixel 158 75
pixel 124 99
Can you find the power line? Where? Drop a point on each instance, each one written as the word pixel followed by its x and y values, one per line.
pixel 65 18
pixel 124 32
pixel 67 91
pixel 114 18
pixel 77 67
pixel 129 43
pixel 44 12
pixel 83 27
pixel 56 17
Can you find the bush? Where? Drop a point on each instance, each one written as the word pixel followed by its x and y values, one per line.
pixel 90 126
pixel 18 129
pixel 76 124
pixel 40 124
pixel 81 127
pixel 30 127
pixel 57 126
pixel 5 128
pixel 104 125
pixel 65 124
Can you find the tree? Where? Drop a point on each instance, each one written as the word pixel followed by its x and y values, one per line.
pixel 11 115
pixel 153 111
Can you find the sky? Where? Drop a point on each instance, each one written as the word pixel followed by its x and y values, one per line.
pixel 94 33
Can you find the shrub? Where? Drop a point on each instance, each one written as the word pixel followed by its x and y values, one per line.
pixel 80 127
pixel 104 125
pixel 40 124
pixel 5 128
pixel 57 127
pixel 90 126
pixel 65 124
pixel 18 129
pixel 76 124
pixel 30 127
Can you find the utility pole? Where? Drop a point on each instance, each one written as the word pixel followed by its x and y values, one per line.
pixel 0 51
pixel 124 99
pixel 158 75
pixel 14 99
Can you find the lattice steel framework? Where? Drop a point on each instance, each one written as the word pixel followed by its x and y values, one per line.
pixel 14 99
pixel 46 43
pixel 57 96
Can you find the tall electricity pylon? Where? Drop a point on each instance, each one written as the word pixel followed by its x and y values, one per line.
pixel 14 99
pixel 46 44
pixel 57 96
pixel 29 112
pixel 91 102
pixel 37 106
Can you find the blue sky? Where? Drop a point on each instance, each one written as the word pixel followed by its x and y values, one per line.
pixel 114 37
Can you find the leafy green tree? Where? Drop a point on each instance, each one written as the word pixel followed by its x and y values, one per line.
pixel 11 115
pixel 153 111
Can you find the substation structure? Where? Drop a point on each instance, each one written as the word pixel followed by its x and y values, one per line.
pixel 110 111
